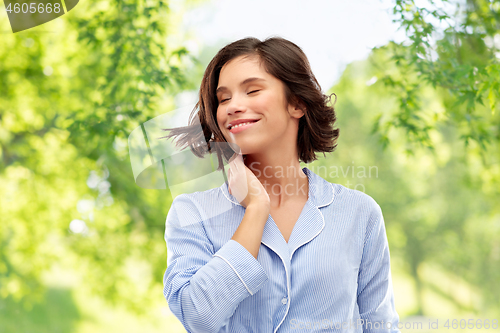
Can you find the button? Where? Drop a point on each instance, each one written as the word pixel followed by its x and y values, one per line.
pixel 284 300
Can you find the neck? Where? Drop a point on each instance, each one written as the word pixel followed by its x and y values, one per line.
pixel 281 176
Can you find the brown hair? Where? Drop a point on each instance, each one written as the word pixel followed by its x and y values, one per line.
pixel 288 63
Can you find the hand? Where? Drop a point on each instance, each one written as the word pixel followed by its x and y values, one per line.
pixel 244 185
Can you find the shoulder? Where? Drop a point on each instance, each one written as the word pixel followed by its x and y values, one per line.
pixel 200 206
pixel 198 199
pixel 358 206
pixel 339 196
pixel 348 197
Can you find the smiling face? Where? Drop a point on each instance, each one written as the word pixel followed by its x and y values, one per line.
pixel 246 93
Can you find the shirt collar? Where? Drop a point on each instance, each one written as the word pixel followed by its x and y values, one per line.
pixel 320 191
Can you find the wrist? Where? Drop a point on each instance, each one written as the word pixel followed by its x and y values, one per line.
pixel 260 206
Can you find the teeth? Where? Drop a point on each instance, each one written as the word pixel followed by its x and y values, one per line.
pixel 235 126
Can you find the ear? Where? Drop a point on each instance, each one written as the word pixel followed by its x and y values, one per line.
pixel 297 109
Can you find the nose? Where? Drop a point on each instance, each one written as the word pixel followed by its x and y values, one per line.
pixel 235 105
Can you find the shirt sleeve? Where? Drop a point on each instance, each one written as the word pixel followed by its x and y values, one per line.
pixel 375 293
pixel 203 288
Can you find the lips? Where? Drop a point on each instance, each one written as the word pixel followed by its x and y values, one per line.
pixel 242 126
pixel 241 122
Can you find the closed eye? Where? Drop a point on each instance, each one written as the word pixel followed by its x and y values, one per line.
pixel 226 99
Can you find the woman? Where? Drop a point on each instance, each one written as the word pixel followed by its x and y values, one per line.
pixel 276 248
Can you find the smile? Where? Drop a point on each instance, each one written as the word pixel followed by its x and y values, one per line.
pixel 241 127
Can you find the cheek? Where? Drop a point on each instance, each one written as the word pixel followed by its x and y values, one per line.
pixel 220 117
pixel 268 102
pixel 274 109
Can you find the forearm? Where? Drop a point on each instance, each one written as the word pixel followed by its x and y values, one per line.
pixel 205 298
pixel 251 228
pixel 206 301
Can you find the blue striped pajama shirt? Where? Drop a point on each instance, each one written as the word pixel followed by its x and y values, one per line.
pixel 333 275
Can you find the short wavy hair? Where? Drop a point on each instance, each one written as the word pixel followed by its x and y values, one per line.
pixel 287 62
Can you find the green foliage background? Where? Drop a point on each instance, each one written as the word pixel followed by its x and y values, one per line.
pixel 422 116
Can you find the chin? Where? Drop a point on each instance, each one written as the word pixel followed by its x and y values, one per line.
pixel 246 150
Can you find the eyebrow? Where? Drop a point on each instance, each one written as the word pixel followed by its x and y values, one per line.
pixel 250 79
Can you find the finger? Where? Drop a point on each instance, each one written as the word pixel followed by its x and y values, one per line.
pixel 239 164
pixel 240 159
pixel 229 179
pixel 232 165
pixel 229 173
pixel 235 162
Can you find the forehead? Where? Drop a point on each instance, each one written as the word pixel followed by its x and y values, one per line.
pixel 243 67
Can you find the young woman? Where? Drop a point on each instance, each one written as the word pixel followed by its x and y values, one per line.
pixel 276 248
